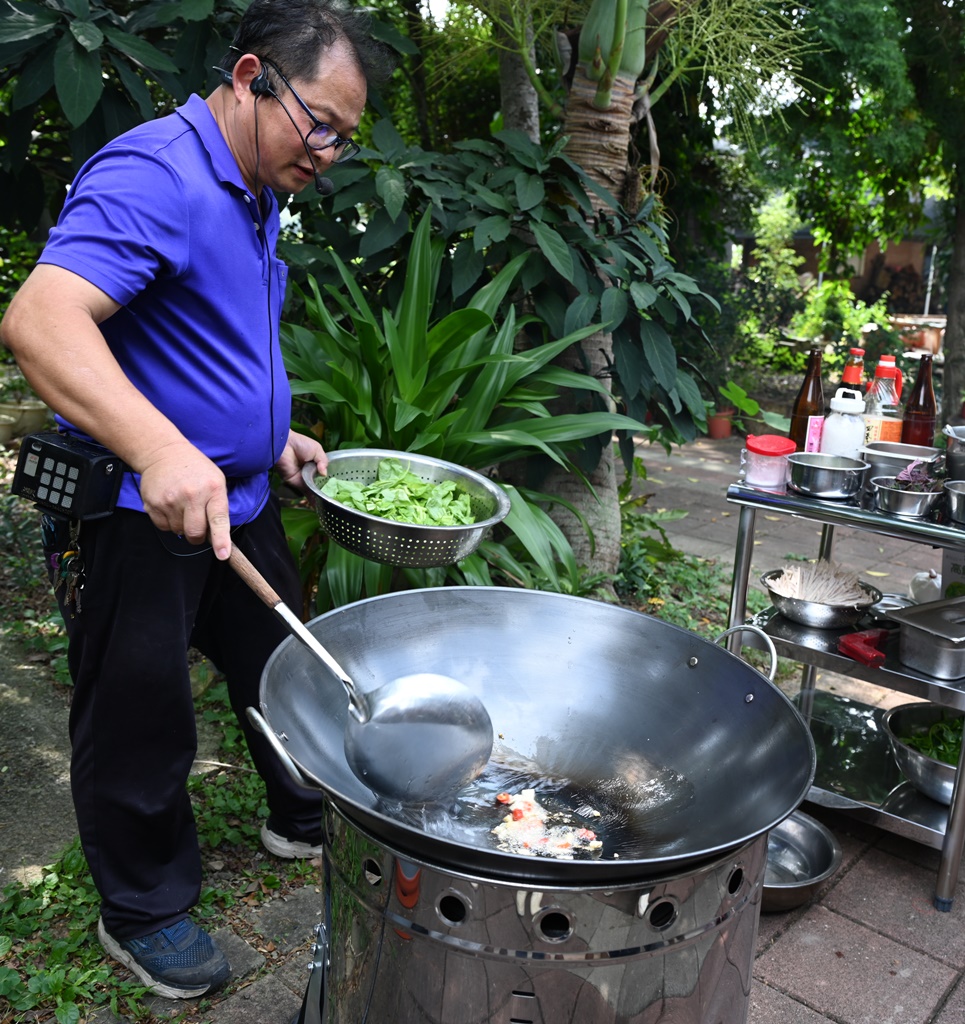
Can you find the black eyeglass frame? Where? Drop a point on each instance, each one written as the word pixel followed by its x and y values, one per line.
pixel 350 147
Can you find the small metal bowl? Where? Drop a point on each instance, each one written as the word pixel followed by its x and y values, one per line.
pixel 935 779
pixel 405 544
pixel 817 475
pixel 896 502
pixel 816 615
pixel 801 856
pixel 955 493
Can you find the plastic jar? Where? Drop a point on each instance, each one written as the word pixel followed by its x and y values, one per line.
pixel 844 429
pixel 765 460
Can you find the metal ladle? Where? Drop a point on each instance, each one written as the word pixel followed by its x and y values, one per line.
pixel 416 739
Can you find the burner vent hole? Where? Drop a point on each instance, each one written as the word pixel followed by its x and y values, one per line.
pixel 555 926
pixel 663 914
pixel 372 872
pixel 452 909
pixel 735 881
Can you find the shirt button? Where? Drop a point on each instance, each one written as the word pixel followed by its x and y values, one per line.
pixel 247 199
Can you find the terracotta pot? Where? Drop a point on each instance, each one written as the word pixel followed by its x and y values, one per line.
pixel 720 424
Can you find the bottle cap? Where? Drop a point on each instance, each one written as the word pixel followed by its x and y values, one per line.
pixel 856 351
pixel 770 444
pixel 886 367
pixel 847 401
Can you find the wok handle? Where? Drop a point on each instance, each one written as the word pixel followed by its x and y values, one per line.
pixel 258 721
pixel 358 704
pixel 768 642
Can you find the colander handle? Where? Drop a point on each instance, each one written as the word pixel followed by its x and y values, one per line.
pixel 258 721
pixel 768 643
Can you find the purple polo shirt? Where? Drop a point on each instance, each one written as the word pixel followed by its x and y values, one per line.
pixel 162 222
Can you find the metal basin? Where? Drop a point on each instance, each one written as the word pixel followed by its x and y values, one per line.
pixel 801 856
pixel 814 613
pixel 832 477
pixel 896 502
pixel 684 749
pixel 933 778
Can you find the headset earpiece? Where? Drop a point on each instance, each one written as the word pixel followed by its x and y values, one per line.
pixel 260 83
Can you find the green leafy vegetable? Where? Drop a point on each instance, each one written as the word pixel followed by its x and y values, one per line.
pixel 398 494
pixel 942 741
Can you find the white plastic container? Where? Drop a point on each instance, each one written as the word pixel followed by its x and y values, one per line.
pixel 844 429
pixel 764 461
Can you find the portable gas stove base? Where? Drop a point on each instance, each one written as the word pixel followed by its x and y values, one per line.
pixel 412 943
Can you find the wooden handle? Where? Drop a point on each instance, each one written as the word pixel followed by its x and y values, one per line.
pixel 239 562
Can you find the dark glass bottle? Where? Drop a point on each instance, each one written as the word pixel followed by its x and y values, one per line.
pixel 807 413
pixel 921 410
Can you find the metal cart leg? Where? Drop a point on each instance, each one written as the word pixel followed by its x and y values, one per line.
pixel 742 568
pixel 953 843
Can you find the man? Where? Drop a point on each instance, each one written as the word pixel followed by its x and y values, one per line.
pixel 151 326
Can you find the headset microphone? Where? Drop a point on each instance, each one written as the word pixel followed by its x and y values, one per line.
pixel 323 186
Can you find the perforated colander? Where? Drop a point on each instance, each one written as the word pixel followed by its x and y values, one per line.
pixel 405 544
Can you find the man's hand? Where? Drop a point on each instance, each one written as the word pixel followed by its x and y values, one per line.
pixel 299 450
pixel 184 492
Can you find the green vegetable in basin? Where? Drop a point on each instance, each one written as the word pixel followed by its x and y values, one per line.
pixel 398 494
pixel 942 742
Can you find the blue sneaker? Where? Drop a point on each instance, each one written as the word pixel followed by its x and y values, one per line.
pixel 178 962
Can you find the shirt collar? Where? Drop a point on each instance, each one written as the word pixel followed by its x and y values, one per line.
pixel 197 113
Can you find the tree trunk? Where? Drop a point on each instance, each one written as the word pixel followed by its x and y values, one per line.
pixel 518 100
pixel 953 381
pixel 599 142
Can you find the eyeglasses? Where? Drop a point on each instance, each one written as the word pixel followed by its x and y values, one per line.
pixel 322 136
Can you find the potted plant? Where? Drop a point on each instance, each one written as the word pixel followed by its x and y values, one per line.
pixel 720 420
pixel 19 401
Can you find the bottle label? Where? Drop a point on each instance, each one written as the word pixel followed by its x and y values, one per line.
pixel 812 439
pixel 879 429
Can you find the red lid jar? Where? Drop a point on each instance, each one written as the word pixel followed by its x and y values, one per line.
pixel 765 462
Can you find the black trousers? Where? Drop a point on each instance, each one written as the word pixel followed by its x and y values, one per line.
pixel 147 597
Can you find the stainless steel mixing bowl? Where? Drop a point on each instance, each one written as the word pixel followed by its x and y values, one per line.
pixel 817 475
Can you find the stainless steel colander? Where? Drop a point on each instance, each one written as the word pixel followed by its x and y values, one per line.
pixel 405 544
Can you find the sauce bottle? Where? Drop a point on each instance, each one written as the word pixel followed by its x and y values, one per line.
pixel 853 373
pixel 882 411
pixel 921 410
pixel 807 413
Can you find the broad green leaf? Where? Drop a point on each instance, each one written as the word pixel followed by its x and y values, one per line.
pixel 20 22
pixel 386 32
pixel 140 51
pixel 390 143
pixel 87 34
pixel 489 230
pixel 383 232
pixel 530 190
pixel 136 87
pixel 186 10
pixel 643 294
pixel 390 185
pixel 35 79
pixel 579 312
pixel 681 301
pixel 690 393
pixel 613 307
pixel 80 9
pixel 78 78
pixel 555 249
pixel 467 266
pixel 660 353
pixel 344 575
pixel 529 526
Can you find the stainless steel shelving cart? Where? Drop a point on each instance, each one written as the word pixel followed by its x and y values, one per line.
pixel 856 772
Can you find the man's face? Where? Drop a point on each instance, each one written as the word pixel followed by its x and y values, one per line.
pixel 335 95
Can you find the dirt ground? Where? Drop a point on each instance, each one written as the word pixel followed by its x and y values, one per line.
pixel 36 814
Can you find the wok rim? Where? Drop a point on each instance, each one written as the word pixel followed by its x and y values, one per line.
pixel 507 866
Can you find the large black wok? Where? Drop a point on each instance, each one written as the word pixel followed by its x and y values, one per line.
pixel 683 748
